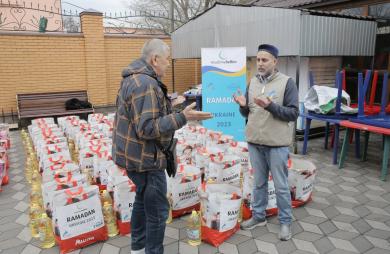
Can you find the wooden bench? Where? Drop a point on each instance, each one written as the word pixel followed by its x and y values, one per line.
pixel 35 105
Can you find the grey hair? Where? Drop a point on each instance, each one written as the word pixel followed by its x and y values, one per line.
pixel 154 47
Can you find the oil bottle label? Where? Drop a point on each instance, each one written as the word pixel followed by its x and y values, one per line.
pixel 193 234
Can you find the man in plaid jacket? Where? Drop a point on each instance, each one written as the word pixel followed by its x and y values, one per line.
pixel 144 119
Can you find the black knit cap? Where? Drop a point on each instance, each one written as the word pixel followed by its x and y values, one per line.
pixel 270 49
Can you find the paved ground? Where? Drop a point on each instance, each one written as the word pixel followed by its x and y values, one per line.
pixel 350 213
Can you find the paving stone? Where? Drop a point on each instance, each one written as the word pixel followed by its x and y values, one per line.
pixel 24 235
pixel 236 239
pixel 378 203
pixel 316 205
pixel 378 225
pixel 347 199
pixel 362 211
pixel 188 249
pixel 310 227
pixel 207 249
pixel 119 241
pixel 178 224
pixel 361 244
pixel 343 244
pixel 108 248
pixel 341 251
pixel 228 248
pixel 331 212
pixel 285 247
pixel 248 232
pixel 273 228
pixel 327 227
pixel 323 245
pixel 9 218
pixel 126 250
pixel 14 250
pixel 172 232
pixel 321 200
pixel 362 226
pixel 247 247
pixel 346 211
pixel 22 206
pixel 345 235
pixel 345 218
pixel 308 236
pixel 23 219
pixel 305 246
pixel 19 195
pixel 31 249
pixel 94 249
pixel 11 243
pixel 9 226
pixel 300 213
pixel 345 226
pixel 258 231
pixel 314 219
pixel 378 233
pixel 270 237
pixel 172 248
pixel 168 240
pixel 266 247
pixel 377 251
pixel 379 211
pixel 377 242
pixel 18 186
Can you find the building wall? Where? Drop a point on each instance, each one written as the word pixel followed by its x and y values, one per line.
pixel 92 61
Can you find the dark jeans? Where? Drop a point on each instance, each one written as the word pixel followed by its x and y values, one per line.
pixel 150 211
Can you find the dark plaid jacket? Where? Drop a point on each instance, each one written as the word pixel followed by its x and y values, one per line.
pixel 143 117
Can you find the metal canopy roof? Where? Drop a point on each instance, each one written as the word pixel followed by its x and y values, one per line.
pixel 294 32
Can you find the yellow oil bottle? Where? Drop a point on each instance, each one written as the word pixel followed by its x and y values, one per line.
pixel 169 220
pixel 110 220
pixel 46 232
pixel 194 229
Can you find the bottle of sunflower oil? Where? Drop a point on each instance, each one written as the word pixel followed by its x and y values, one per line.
pixel 109 219
pixel 169 220
pixel 46 232
pixel 194 229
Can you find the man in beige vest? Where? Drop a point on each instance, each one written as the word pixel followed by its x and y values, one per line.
pixel 270 105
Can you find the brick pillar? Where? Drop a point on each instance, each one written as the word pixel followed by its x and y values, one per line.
pixel 92 28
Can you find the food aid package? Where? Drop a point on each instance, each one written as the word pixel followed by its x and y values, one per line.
pixel 62 121
pixel 95 118
pixel 70 180
pixel 220 209
pixel 59 171
pixel 101 167
pixel 124 195
pixel 48 149
pixel 115 175
pixel 301 177
pixel 96 142
pixel 241 150
pixel 42 121
pixel 78 218
pixel 224 169
pixel 203 155
pixel 183 190
pixel 86 155
pixel 184 152
pixel 3 174
pixel 248 185
pixel 5 140
pixel 49 160
pixel 83 137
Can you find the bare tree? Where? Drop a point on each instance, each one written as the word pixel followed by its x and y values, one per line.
pixel 184 10
pixel 71 24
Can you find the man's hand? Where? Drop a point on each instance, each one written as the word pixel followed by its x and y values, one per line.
pixel 192 114
pixel 262 102
pixel 239 98
pixel 179 100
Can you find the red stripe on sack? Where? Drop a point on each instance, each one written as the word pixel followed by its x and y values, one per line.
pixel 124 227
pixel 82 240
pixel 216 238
pixel 186 210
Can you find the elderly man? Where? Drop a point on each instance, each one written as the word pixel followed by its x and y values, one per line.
pixel 271 107
pixel 144 122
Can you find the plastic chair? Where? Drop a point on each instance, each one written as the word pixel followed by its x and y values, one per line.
pixel 331 118
pixel 378 124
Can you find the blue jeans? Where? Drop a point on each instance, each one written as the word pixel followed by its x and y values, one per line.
pixel 150 211
pixel 263 160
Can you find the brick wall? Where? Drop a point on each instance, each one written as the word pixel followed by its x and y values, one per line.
pixel 35 62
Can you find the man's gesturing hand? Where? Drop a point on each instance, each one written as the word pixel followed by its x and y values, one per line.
pixel 239 98
pixel 192 114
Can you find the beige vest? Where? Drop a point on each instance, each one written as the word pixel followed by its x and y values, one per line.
pixel 262 127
